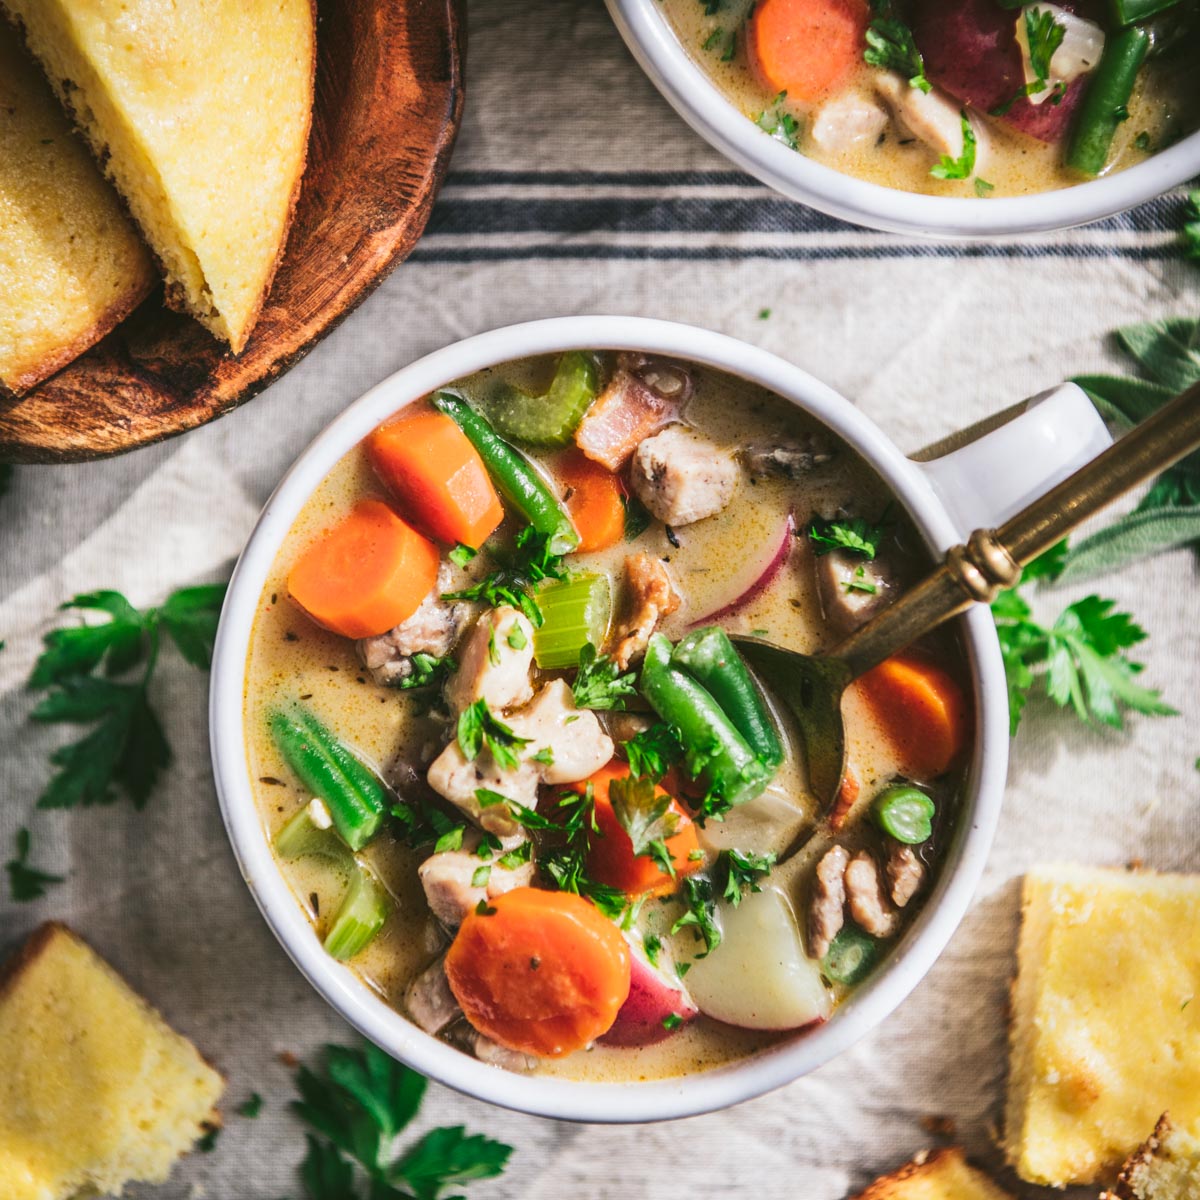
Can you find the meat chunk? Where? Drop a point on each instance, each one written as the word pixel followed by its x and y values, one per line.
pixel 794 459
pixel 852 588
pixel 864 894
pixel 627 411
pixel 650 598
pixel 432 629
pixel 459 780
pixel 494 663
pixel 569 740
pixel 681 477
pixel 496 1055
pixel 905 871
pixel 933 117
pixel 827 913
pixel 847 120
pixel 429 1000
pixel 448 878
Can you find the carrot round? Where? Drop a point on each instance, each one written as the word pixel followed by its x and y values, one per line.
pixel 365 575
pixel 540 972
pixel 611 859
pixel 592 495
pixel 922 711
pixel 427 463
pixel 807 48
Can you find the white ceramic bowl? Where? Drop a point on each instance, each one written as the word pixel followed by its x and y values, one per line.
pixel 1054 438
pixel 697 99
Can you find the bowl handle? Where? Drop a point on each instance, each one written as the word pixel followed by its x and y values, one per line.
pixel 995 475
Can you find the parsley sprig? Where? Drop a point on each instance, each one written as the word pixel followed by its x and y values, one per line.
pixel 480 729
pixel 962 167
pixel 1044 35
pixel 848 533
pixel 357 1108
pixel 26 882
pixel 733 875
pixel 645 813
pixel 779 123
pixel 1079 660
pixel 518 572
pixel 599 683
pixel 651 752
pixel 891 46
pixel 99 675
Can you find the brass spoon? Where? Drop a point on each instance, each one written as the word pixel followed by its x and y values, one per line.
pixel 992 559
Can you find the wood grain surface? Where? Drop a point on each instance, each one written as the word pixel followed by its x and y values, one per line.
pixel 389 98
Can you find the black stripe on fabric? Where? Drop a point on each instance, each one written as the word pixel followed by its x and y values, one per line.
pixel 787 253
pixel 604 178
pixel 689 215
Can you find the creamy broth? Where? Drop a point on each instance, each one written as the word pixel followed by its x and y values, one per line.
pixel 1165 106
pixel 291 658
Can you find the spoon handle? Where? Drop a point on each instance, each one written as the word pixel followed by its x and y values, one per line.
pixel 992 559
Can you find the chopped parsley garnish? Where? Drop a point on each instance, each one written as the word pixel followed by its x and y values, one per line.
pixel 26 882
pixel 452 839
pixel 982 187
pixel 1078 659
pixel 250 1108
pixel 672 1021
pixel 516 857
pixel 516 637
pixel 1191 226
pixel 701 915
pixel 545 756
pixel 742 871
pixel 1044 35
pixel 480 729
pixel 428 671
pixel 637 517
pixel 512 583
pixel 646 815
pixel 83 665
pixel 779 123
pixel 599 683
pixel 461 555
pixel 652 944
pixel 651 752
pixel 852 533
pixel 890 46
pixel 484 909
pixel 860 583
pixel 481 875
pixel 486 798
pixel 963 166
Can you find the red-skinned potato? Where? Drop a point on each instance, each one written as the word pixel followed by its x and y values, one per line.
pixel 970 50
pixel 652 1000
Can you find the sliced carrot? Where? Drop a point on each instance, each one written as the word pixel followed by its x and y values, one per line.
pixel 847 795
pixel 592 494
pixel 366 574
pixel 540 972
pixel 922 711
pixel 427 463
pixel 611 859
pixel 807 48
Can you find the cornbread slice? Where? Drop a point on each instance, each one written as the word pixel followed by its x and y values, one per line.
pixel 941 1175
pixel 96 1090
pixel 1165 1167
pixel 200 114
pixel 1104 1032
pixel 71 263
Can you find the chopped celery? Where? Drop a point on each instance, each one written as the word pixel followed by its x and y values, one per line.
pixel 576 611
pixel 549 419
pixel 360 916
pixel 301 837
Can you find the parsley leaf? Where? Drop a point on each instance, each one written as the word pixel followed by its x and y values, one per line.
pixel 599 683
pixel 427 671
pixel 651 752
pixel 743 871
pixel 512 583
pixel 780 123
pixel 26 882
pixel 126 750
pixel 1079 659
pixel 1191 225
pixel 479 728
pixel 357 1110
pixel 963 166
pixel 637 517
pixel 251 1107
pixel 701 915
pixel 890 46
pixel 851 533
pixel 646 815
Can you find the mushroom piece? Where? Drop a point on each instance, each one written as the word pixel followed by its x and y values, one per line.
pixel 793 459
pixel 429 1000
pixel 852 588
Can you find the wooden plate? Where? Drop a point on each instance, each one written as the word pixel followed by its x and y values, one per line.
pixel 389 99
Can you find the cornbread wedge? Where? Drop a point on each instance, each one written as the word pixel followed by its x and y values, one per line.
pixel 200 114
pixel 71 262
pixel 96 1090
pixel 1165 1167
pixel 1104 1032
pixel 940 1175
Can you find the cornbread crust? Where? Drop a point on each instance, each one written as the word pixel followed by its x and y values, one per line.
pixel 1104 1035
pixel 1166 1166
pixel 936 1175
pixel 97 1089
pixel 71 262
pixel 201 115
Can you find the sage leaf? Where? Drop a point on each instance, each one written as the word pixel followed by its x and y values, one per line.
pixel 1168 351
pixel 1138 535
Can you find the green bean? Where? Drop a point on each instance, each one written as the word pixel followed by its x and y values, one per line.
pixel 1132 12
pixel 515 476
pixel 850 957
pixel 712 660
pixel 719 753
pixel 355 797
pixel 1104 102
pixel 905 813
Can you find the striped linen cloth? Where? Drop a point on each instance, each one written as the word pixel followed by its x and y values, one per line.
pixel 575 189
